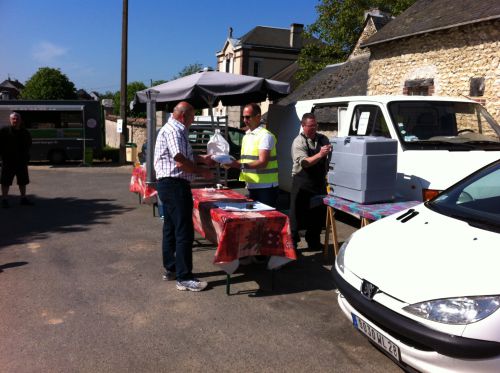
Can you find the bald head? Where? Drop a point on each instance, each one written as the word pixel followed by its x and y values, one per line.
pixel 15 119
pixel 184 113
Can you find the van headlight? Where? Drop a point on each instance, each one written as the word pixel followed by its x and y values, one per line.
pixel 340 256
pixel 458 311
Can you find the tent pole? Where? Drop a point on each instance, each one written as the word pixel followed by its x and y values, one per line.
pixel 151 135
pixel 212 123
pixel 211 112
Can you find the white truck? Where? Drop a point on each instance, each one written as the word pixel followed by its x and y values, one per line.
pixel 440 139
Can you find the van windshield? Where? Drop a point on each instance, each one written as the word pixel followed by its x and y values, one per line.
pixel 444 125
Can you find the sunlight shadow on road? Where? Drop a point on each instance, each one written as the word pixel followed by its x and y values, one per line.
pixel 21 224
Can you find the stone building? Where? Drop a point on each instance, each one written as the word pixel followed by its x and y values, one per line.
pixel 435 47
pixel 440 47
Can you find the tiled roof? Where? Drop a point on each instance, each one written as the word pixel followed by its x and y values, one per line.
pixel 268 36
pixel 287 75
pixel 83 95
pixel 431 15
pixel 12 84
pixel 380 22
pixel 345 79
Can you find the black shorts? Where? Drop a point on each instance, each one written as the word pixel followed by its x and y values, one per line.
pixel 20 171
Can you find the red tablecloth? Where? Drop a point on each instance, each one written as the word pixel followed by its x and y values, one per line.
pixel 138 184
pixel 240 234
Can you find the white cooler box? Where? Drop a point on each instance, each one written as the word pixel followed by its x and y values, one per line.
pixel 363 169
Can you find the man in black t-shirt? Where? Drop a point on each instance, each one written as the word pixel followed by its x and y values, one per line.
pixel 15 144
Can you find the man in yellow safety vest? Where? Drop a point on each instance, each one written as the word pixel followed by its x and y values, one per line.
pixel 258 163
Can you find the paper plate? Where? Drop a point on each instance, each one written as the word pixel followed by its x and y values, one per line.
pixel 222 158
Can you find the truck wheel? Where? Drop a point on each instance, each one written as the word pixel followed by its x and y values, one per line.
pixel 57 157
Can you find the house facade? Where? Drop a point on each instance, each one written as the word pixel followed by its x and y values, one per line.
pixel 264 52
pixel 10 89
pixel 439 47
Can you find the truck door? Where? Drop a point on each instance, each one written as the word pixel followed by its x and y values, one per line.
pixel 368 120
pixel 284 123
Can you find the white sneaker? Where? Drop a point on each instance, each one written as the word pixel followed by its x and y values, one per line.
pixel 191 285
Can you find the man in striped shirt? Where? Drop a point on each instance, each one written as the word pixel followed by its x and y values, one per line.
pixel 175 167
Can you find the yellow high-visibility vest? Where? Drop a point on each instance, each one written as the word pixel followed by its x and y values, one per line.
pixel 250 153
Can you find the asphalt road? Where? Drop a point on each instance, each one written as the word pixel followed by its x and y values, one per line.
pixel 81 291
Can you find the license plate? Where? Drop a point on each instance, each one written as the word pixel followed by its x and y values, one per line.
pixel 379 339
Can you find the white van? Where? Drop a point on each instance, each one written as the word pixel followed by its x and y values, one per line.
pixel 440 139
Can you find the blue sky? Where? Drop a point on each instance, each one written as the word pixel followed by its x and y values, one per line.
pixel 83 37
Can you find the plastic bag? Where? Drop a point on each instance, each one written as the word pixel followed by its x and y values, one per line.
pixel 217 144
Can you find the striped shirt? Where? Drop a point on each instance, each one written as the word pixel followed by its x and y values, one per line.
pixel 172 140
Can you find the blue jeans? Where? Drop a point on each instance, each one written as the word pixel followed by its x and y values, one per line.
pixel 267 196
pixel 178 230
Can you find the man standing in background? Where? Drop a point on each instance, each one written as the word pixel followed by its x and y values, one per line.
pixel 15 144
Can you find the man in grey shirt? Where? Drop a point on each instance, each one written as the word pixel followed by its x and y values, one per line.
pixel 310 156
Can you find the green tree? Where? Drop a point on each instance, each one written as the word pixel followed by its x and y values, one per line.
pixel 132 88
pixel 338 28
pixel 188 70
pixel 49 84
pixel 107 94
pixel 158 82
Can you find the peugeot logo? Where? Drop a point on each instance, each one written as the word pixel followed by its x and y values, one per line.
pixel 368 290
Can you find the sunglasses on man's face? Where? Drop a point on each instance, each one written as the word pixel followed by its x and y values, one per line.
pixel 248 116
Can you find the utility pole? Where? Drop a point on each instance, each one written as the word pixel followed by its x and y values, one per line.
pixel 123 87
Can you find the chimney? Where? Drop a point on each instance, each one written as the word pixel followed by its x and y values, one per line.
pixel 376 12
pixel 230 35
pixel 296 35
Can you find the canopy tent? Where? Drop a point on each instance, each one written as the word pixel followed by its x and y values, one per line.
pixel 204 89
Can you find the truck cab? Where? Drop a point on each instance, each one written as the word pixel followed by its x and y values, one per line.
pixel 440 139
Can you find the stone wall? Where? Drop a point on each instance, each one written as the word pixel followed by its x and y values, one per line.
pixel 449 57
pixel 367 32
pixel 136 132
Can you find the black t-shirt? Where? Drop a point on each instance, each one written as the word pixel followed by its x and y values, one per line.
pixel 15 145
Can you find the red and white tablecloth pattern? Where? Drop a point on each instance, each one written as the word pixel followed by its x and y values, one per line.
pixel 138 185
pixel 241 234
pixel 374 211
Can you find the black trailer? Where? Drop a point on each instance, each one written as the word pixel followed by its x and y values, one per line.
pixel 61 130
